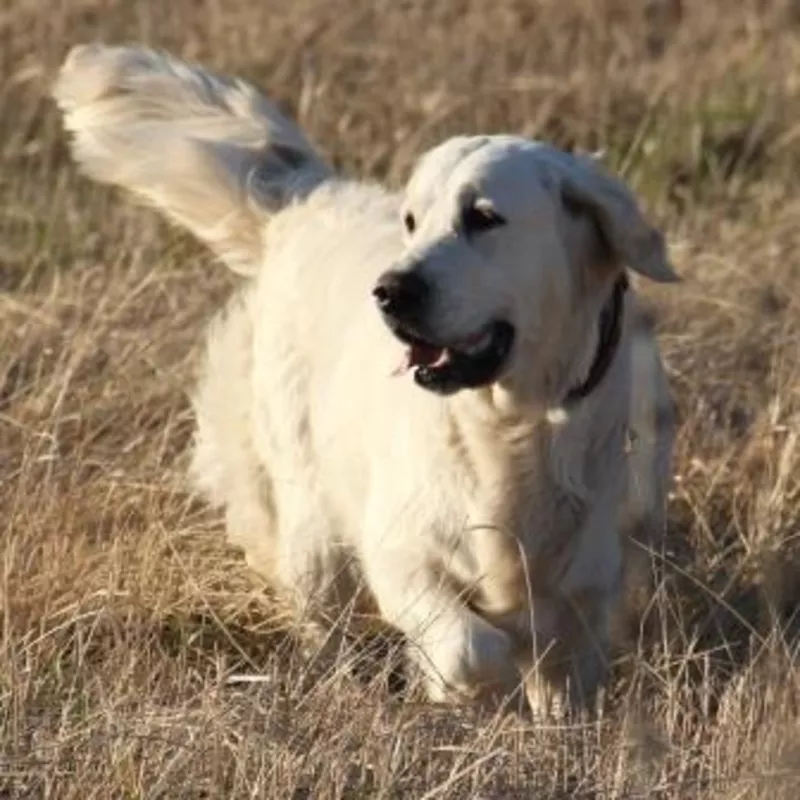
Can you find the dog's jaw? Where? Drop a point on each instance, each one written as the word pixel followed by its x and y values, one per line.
pixel 470 370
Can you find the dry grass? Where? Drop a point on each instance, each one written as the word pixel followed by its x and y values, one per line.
pixel 122 614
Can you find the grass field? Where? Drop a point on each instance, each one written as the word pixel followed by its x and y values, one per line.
pixel 124 619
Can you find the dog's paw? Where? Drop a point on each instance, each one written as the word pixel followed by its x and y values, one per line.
pixel 556 703
pixel 473 664
pixel 546 703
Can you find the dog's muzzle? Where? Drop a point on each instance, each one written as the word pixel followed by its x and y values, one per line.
pixel 444 367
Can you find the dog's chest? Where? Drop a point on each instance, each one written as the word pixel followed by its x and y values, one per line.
pixel 520 535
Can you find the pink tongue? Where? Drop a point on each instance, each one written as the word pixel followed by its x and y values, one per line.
pixel 418 355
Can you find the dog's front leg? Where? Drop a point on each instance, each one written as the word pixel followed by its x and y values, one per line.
pixel 567 662
pixel 460 655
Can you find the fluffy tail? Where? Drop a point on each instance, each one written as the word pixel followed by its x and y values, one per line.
pixel 210 152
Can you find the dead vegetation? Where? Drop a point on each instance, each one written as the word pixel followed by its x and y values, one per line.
pixel 123 618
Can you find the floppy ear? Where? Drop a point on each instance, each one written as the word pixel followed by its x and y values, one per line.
pixel 612 206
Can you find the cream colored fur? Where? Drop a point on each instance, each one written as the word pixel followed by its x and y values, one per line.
pixel 489 526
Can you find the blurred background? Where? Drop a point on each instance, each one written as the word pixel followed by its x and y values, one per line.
pixel 124 620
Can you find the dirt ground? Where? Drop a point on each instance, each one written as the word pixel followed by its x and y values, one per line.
pixel 125 622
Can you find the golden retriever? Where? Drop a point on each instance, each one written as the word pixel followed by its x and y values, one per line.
pixel 439 404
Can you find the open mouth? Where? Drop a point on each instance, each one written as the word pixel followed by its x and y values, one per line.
pixel 466 363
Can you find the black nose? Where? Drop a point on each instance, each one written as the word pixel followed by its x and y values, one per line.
pixel 400 293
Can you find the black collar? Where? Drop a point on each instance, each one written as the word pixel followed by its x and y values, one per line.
pixel 609 332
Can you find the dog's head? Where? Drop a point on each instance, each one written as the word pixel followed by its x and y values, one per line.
pixel 508 244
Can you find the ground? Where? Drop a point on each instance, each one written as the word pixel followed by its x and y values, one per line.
pixel 125 622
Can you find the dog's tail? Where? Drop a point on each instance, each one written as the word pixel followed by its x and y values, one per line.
pixel 210 152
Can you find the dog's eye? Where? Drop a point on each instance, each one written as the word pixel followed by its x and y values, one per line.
pixel 478 218
pixel 409 222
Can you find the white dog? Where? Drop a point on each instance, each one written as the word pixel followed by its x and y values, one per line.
pixel 438 405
